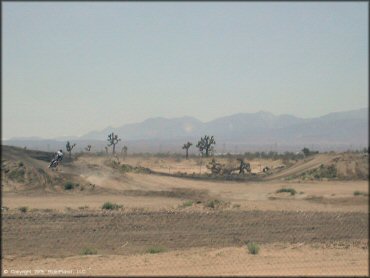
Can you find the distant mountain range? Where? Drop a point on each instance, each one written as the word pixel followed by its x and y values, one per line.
pixel 240 132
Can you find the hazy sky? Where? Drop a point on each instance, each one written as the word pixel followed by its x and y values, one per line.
pixel 69 68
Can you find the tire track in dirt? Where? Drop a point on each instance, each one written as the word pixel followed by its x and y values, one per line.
pixel 60 234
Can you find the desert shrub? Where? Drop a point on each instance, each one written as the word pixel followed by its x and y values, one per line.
pixel 20 164
pixel 358 193
pixel 17 174
pixel 111 206
pixel 187 203
pixel 329 172
pixel 69 185
pixel 290 190
pixel 213 203
pixel 88 251
pixel 236 205
pixel 253 248
pixel 83 207
pixel 46 210
pixel 23 209
pixel 156 249
pixel 126 168
pixel 112 163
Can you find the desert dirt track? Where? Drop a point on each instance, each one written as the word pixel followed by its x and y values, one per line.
pixel 321 230
pixel 301 241
pixel 66 234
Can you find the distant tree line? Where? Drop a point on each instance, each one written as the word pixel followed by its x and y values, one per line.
pixel 206 148
pixel 274 155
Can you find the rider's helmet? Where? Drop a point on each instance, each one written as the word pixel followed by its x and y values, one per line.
pixel 61 151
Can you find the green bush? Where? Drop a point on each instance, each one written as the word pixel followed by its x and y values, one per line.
pixel 88 251
pixel 111 206
pixel 253 248
pixel 23 209
pixel 358 193
pixel 188 203
pixel 290 190
pixel 69 185
pixel 155 249
pixel 327 172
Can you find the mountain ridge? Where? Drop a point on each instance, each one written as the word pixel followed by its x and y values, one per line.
pixel 239 123
pixel 260 128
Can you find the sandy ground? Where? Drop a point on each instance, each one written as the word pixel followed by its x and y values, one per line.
pixel 55 239
pixel 65 233
pixel 321 230
pixel 273 259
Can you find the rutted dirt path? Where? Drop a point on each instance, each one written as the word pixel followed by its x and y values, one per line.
pixel 125 233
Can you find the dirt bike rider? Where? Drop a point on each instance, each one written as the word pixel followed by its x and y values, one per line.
pixel 58 157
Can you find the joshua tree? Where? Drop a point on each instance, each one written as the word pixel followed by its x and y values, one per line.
pixel 88 148
pixel 106 149
pixel 69 148
pixel 186 147
pixel 113 141
pixel 124 151
pixel 306 151
pixel 205 144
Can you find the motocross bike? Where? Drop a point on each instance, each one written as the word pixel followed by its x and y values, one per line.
pixel 54 163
